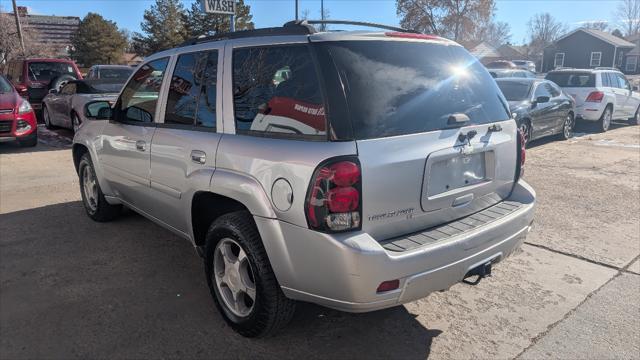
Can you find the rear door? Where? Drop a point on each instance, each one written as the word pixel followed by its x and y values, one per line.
pixel 422 115
pixel 183 151
pixel 619 84
pixel 625 90
pixel 126 141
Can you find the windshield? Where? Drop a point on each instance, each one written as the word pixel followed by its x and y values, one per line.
pixel 572 79
pixel 5 87
pixel 396 88
pixel 514 90
pixel 45 71
pixel 119 73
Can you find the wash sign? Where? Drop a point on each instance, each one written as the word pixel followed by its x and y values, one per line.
pixel 219 6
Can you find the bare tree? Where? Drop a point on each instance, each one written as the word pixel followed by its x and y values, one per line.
pixel 544 29
pixel 10 44
pixel 304 15
pixel 460 20
pixel 495 33
pixel 628 14
pixel 596 25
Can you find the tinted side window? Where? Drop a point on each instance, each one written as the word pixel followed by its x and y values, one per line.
pixel 542 90
pixel 552 89
pixel 192 94
pixel 184 90
pixel 276 90
pixel 206 114
pixel 140 96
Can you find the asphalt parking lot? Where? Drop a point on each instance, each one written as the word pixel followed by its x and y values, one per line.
pixel 72 288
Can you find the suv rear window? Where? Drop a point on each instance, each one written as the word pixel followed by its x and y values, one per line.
pixel 572 79
pixel 396 88
pixel 46 71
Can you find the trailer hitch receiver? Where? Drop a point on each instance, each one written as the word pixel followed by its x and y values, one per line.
pixel 480 272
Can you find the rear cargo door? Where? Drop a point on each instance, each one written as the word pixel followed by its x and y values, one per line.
pixel 433 131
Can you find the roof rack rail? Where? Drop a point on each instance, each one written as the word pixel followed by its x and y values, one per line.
pixel 348 22
pixel 606 68
pixel 288 29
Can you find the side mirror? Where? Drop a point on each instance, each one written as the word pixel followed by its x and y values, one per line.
pixel 53 91
pixel 98 110
pixel 542 99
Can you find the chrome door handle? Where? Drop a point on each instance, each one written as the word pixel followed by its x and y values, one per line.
pixel 198 157
pixel 141 145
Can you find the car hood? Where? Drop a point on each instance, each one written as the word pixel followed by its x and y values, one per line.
pixel 9 100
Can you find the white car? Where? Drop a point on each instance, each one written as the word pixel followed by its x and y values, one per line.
pixel 601 95
pixel 525 65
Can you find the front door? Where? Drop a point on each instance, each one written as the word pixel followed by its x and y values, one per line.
pixel 184 146
pixel 126 145
pixel 542 112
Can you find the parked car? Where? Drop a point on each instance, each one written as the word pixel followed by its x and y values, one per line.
pixel 33 78
pixel 540 107
pixel 66 107
pixel 525 65
pixel 292 188
pixel 109 72
pixel 511 73
pixel 601 95
pixel 501 64
pixel 17 120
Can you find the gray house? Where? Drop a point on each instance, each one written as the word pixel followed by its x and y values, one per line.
pixel 587 48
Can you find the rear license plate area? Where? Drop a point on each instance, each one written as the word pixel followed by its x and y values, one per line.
pixel 456 172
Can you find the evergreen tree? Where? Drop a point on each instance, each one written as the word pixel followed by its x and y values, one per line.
pixel 98 41
pixel 164 27
pixel 200 23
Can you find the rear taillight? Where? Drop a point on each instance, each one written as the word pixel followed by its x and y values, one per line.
pixel 595 96
pixel 22 91
pixel 333 199
pixel 522 154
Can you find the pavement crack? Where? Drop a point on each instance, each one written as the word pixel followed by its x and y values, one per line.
pixel 567 315
pixel 579 257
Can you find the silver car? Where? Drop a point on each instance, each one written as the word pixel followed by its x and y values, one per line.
pixel 65 108
pixel 355 170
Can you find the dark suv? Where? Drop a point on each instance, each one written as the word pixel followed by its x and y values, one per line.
pixel 33 78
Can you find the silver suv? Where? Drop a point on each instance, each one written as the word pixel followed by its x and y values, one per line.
pixel 355 170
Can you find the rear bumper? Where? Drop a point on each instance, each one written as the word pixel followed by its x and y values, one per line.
pixel 343 271
pixel 590 111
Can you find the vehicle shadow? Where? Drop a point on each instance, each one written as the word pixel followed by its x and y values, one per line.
pixel 581 129
pixel 48 140
pixel 72 287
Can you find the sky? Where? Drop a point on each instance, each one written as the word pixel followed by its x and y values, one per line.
pixel 128 13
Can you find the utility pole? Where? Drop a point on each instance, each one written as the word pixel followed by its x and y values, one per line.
pixel 18 27
pixel 296 10
pixel 321 9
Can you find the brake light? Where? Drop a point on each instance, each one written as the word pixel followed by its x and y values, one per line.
pixel 333 200
pixel 595 96
pixel 522 154
pixel 22 91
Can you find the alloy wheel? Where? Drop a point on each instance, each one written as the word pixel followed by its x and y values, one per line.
pixel 234 277
pixel 75 123
pixel 90 188
pixel 526 131
pixel 606 120
pixel 568 127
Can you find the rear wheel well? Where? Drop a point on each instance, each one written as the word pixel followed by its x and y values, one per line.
pixel 78 151
pixel 206 207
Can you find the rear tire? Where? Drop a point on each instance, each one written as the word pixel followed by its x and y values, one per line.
pixel 269 310
pixel 635 120
pixel 47 118
pixel 567 127
pixel 93 199
pixel 605 120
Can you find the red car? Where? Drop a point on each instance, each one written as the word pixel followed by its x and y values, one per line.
pixel 17 119
pixel 33 78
